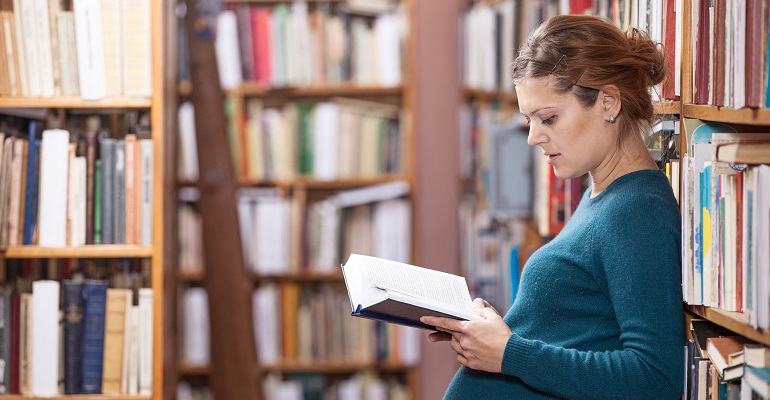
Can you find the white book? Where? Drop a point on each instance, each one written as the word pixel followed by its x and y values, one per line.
pixel 392 230
pixel 21 48
pixel 188 147
pixel 90 49
pixel 325 141
pixel 227 51
pixel 137 48
pixel 267 323
pixel 196 327
pixel 146 191
pixel 43 41
pixel 245 224
pixel 78 174
pixel 401 293
pixel 133 351
pixel 112 43
pixel 45 349
pixel 272 235
pixel 145 341
pixel 128 338
pixel 54 171
pixel 371 194
pixel 28 29
pixel 388 38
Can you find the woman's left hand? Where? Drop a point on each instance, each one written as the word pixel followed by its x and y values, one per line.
pixel 479 344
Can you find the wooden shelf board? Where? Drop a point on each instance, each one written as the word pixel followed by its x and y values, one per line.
pixel 193 370
pixel 734 321
pixel 87 251
pixel 667 107
pixel 260 90
pixel 744 116
pixel 332 367
pixel 302 277
pixel 505 96
pixel 188 276
pixel 74 102
pixel 311 183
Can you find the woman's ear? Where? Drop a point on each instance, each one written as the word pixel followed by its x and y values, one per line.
pixel 610 101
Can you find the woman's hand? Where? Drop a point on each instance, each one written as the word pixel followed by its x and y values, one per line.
pixel 479 344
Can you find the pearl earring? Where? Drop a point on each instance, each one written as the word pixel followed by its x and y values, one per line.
pixel 612 118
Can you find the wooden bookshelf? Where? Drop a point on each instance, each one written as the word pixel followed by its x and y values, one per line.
pixel 87 251
pixel 75 102
pixel 156 251
pixel 667 107
pixel 744 116
pixel 304 190
pixel 503 96
pixel 734 321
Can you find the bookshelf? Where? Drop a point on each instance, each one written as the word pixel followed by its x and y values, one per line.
pixel 751 120
pixel 150 103
pixel 305 191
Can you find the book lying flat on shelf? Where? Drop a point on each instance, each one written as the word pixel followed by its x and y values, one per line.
pixel 400 293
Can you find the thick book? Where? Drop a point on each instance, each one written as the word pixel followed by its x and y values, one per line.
pixel 44 379
pixel 401 293
pixel 744 153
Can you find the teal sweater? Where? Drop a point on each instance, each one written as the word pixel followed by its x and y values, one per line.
pixel 599 310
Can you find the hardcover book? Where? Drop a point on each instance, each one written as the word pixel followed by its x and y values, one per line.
pixel 400 293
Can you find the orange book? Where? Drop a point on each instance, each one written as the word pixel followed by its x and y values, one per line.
pixel 289 304
pixel 720 348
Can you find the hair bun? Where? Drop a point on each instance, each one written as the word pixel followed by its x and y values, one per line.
pixel 641 46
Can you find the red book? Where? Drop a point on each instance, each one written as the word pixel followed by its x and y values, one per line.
pixel 580 6
pixel 260 25
pixel 669 48
pixel 754 52
pixel 702 76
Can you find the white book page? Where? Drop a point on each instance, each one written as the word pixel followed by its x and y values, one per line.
pixel 435 286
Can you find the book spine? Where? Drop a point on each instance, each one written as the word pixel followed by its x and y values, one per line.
pixel 114 333
pixel 73 336
pixel 91 141
pixel 5 340
pixel 98 202
pixel 45 350
pixel 119 194
pixel 30 211
pixel 107 153
pixel 15 342
pixel 94 308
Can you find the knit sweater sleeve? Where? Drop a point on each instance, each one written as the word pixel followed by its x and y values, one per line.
pixel 636 250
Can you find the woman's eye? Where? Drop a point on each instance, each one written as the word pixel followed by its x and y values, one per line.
pixel 548 121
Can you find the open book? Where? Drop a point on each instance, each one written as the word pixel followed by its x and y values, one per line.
pixel 401 293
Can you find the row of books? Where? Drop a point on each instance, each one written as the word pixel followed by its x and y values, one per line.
pixel 725 220
pixel 106 184
pixel 292 44
pixel 729 53
pixel 366 385
pixel 330 140
pixel 370 220
pixel 92 49
pixel 300 324
pixel 106 339
pixel 723 365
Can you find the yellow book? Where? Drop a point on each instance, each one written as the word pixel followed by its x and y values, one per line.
pixel 114 333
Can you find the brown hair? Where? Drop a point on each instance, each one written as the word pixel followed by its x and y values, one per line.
pixel 584 53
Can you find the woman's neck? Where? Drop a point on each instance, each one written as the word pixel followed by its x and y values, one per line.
pixel 630 156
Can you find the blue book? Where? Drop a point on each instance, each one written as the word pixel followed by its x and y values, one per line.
pixel 94 308
pixel 72 306
pixel 33 175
